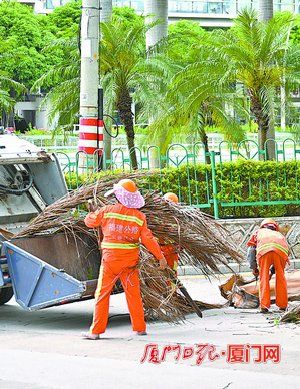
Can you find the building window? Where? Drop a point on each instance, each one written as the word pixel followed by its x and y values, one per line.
pixel 48 4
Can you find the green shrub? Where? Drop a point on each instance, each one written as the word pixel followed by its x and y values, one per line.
pixel 238 181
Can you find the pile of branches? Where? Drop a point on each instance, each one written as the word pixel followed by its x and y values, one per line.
pixel 161 298
pixel 203 242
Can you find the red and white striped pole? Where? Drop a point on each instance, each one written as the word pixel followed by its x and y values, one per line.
pixel 90 135
pixel 90 125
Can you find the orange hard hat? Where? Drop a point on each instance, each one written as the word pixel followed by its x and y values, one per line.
pixel 172 197
pixel 129 185
pixel 269 222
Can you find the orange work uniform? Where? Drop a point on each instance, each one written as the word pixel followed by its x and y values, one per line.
pixel 170 252
pixel 271 249
pixel 123 228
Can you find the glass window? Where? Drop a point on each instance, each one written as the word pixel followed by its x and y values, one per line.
pixel 202 6
pixel 49 4
pixel 138 5
pixel 230 7
pixel 242 4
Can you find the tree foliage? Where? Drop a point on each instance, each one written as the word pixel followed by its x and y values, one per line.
pixel 22 39
pixel 252 55
pixel 64 22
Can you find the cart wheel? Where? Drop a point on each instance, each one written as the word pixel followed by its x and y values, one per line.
pixel 5 295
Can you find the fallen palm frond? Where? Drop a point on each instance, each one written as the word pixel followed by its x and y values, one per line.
pixel 243 293
pixel 203 242
pixel 292 315
pixel 234 290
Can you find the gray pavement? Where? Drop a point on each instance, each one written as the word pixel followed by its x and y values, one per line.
pixel 44 349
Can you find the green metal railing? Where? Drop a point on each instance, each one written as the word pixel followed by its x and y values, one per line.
pixel 203 179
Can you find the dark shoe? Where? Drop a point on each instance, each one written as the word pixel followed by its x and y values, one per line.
pixel 282 309
pixel 264 310
pixel 89 336
pixel 141 333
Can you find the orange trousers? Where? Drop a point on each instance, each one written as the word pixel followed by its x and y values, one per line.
pixel 110 272
pixel 265 262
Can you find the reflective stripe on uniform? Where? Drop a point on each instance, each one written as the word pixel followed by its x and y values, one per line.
pixel 120 216
pixel 99 284
pixel 108 245
pixel 175 267
pixel 272 246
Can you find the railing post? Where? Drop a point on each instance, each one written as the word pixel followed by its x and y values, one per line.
pixel 214 183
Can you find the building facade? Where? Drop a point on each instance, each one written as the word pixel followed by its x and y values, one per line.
pixel 213 13
pixel 44 6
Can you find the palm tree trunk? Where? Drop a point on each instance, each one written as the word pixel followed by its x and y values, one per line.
pixel 156 10
pixel 204 140
pixel 263 122
pixel 266 10
pixel 124 101
pixel 105 16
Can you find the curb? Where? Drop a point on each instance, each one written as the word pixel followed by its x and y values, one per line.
pixel 237 268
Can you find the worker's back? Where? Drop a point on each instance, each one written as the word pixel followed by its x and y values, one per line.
pixel 270 240
pixel 121 224
pixel 122 228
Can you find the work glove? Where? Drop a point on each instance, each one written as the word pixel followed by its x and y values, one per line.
pixel 92 206
pixel 163 263
pixel 255 272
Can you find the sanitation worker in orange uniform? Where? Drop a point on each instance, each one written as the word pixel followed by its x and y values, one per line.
pixel 269 248
pixel 169 249
pixel 123 228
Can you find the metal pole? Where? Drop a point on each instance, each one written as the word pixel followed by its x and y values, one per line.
pixel 90 128
pixel 214 183
pixel 100 126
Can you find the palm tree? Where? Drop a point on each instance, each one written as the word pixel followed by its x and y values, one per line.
pixel 193 102
pixel 8 88
pixel 123 70
pixel 63 84
pixel 188 101
pixel 255 55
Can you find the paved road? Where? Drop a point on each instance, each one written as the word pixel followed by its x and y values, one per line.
pixel 44 349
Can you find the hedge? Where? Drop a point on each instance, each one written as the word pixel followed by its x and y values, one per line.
pixel 238 181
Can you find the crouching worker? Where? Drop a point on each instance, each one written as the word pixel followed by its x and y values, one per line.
pixel 268 249
pixel 123 228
